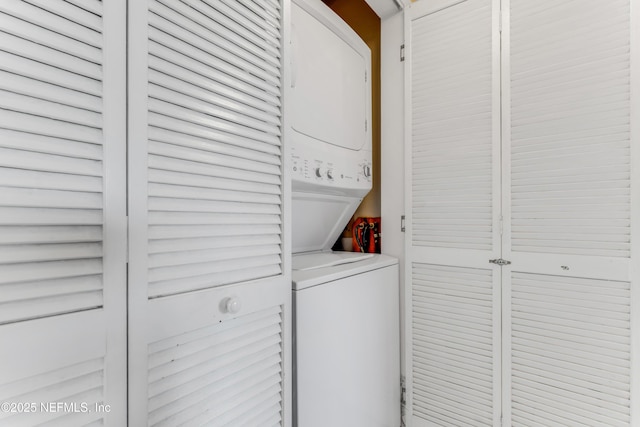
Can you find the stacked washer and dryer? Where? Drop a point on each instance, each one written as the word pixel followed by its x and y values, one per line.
pixel 346 327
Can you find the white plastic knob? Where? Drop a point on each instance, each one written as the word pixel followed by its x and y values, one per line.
pixel 232 305
pixel 330 173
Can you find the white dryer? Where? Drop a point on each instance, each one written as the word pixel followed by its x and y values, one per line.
pixel 330 110
pixel 346 323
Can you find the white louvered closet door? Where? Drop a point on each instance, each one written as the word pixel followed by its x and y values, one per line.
pixel 209 292
pixel 571 223
pixel 453 205
pixel 62 213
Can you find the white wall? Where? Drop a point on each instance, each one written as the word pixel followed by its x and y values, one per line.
pixel 392 146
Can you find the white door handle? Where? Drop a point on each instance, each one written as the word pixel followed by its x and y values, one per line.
pixel 231 305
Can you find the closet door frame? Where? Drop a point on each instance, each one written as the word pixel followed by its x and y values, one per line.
pixel 115 211
pixel 444 256
pixel 137 159
pixel 635 210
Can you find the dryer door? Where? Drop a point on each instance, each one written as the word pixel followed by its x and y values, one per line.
pixel 331 95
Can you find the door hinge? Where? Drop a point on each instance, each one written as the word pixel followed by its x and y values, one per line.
pixel 402 52
pixel 403 400
pixel 128 237
pixel 499 261
pixel 402 224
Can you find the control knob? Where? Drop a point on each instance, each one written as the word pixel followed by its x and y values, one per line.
pixel 366 171
pixel 330 174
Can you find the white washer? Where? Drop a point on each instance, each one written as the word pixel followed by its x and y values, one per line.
pixel 347 349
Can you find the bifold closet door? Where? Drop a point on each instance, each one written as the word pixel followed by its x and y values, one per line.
pixel 62 213
pixel 209 292
pixel 453 207
pixel 571 208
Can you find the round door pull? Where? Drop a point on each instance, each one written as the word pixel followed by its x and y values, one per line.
pixel 231 305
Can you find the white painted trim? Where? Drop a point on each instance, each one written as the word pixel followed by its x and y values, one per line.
pixel 471 258
pixel 498 272
pixel 115 209
pixel 288 314
pixel 408 200
pixel 506 209
pixel 592 267
pixel 138 222
pixel 392 154
pixel 635 210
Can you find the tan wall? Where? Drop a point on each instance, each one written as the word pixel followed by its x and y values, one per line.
pixel 366 23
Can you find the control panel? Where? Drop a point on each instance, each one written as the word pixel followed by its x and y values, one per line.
pixel 331 166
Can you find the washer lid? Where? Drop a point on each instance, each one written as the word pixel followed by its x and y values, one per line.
pixel 312 261
pixel 303 279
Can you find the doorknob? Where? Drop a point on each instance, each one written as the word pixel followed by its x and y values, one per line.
pixel 231 305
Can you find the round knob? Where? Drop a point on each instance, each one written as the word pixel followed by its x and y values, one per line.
pixel 366 171
pixel 330 174
pixel 318 173
pixel 231 305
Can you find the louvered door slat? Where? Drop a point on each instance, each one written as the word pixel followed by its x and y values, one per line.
pixel 53 110
pixel 194 85
pixel 45 36
pixel 47 73
pixel 447 139
pixel 567 368
pixel 70 12
pixel 570 119
pixel 16 45
pixel 239 25
pixel 219 374
pixel 72 383
pixel 192 103
pixel 22 122
pixel 452 346
pixel 216 142
pixel 48 17
pixel 25 86
pixel 237 35
pixel 30 169
pixel 183 36
pixel 93 6
pixel 200 131
pixel 264 16
pixel 196 69
pixel 44 144
pixel 205 120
